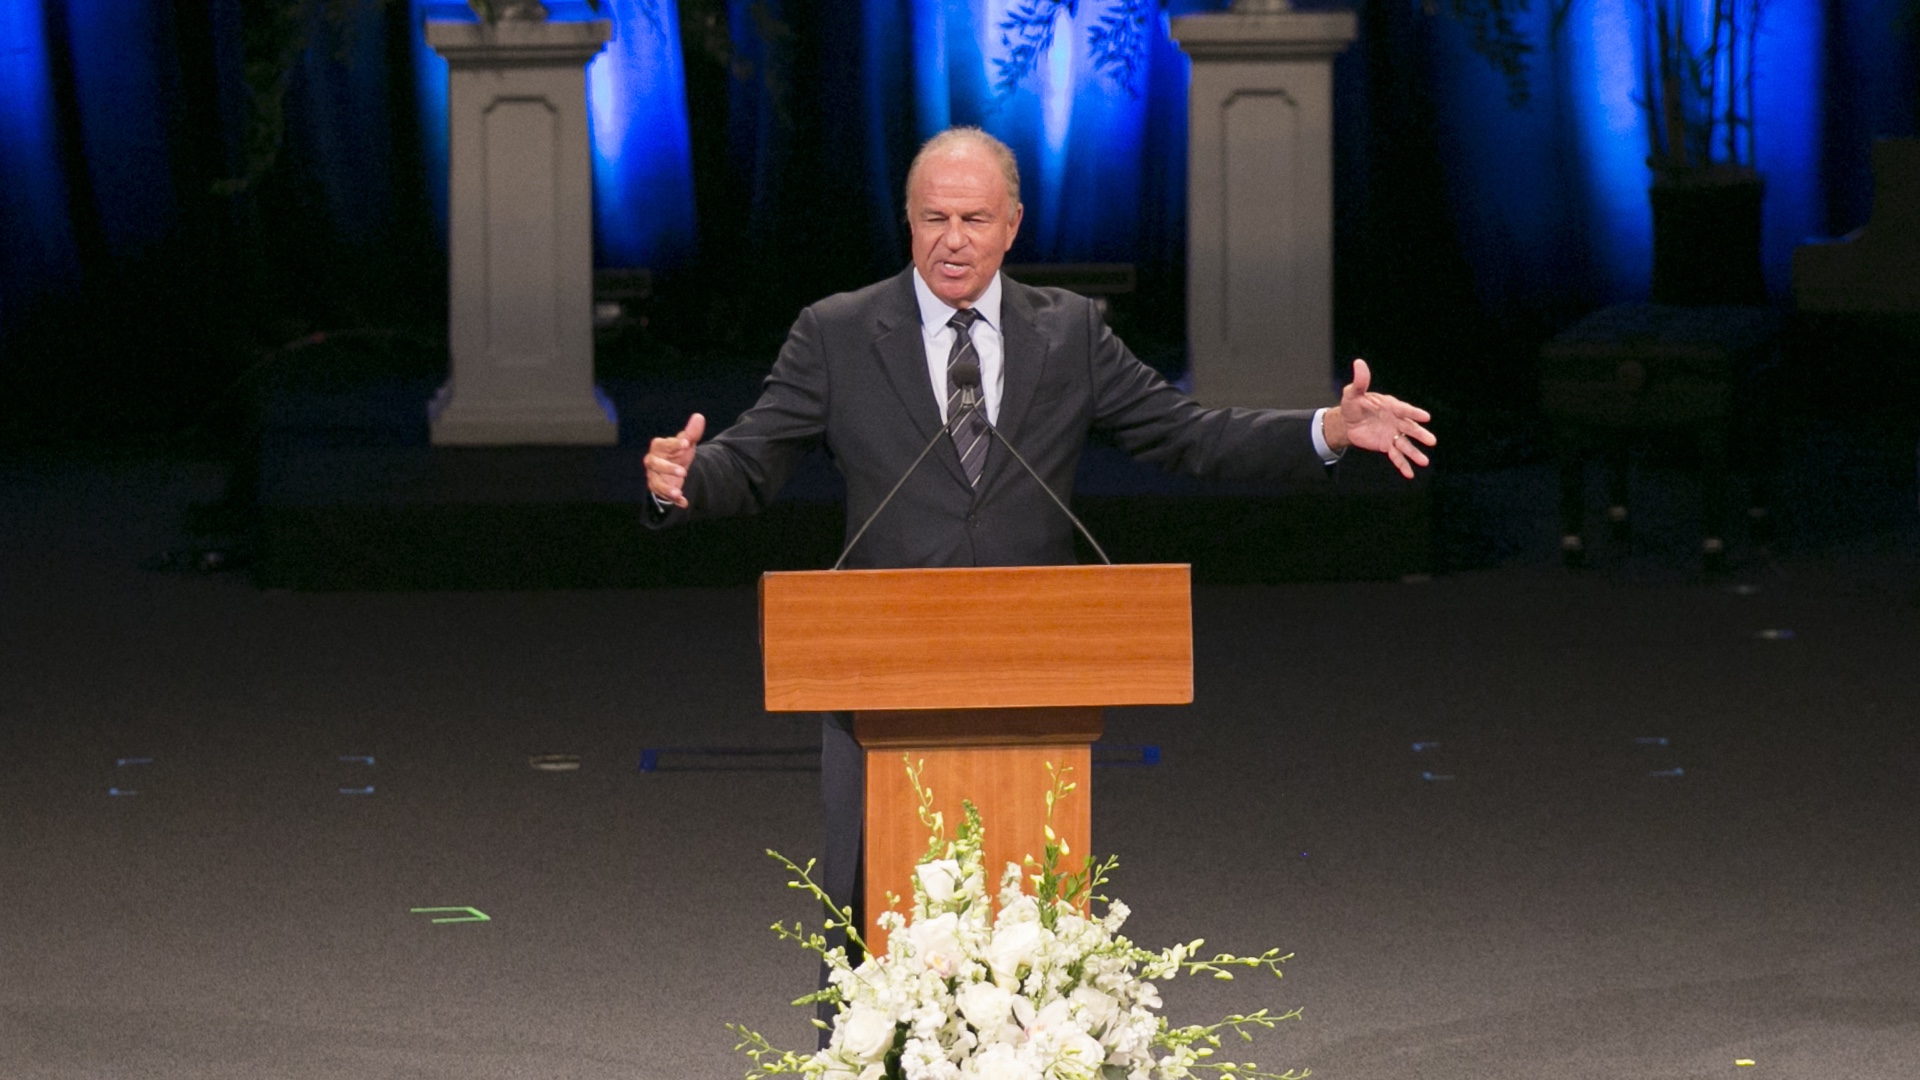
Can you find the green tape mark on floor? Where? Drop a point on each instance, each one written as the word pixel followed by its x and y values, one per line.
pixel 469 914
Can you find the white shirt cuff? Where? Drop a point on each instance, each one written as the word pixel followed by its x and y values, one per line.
pixel 1328 455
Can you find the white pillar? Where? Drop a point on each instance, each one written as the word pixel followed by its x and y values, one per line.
pixel 1260 202
pixel 520 236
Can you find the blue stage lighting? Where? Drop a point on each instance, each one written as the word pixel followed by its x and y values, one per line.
pixel 1078 133
pixel 637 109
pixel 430 82
pixel 642 157
pixel 38 246
pixel 1604 42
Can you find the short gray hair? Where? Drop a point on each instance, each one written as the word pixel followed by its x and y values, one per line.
pixel 955 136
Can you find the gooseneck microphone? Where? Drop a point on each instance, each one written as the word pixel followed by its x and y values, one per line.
pixel 966 377
pixel 941 433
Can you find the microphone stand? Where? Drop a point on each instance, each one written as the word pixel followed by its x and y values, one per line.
pixel 1001 439
pixel 966 375
pixel 945 431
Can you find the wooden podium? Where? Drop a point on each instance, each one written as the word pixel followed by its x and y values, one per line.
pixel 987 676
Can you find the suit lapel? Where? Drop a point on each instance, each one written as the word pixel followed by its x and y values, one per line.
pixel 1023 359
pixel 902 352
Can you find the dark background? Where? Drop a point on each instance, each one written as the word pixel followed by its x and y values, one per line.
pixel 140 331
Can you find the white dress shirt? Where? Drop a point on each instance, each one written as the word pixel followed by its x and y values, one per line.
pixel 988 347
pixel 988 344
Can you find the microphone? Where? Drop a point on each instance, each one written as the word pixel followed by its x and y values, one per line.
pixel 943 432
pixel 966 376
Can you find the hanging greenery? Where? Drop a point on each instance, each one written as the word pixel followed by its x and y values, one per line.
pixel 1494 32
pixel 1696 85
pixel 275 34
pixel 1117 41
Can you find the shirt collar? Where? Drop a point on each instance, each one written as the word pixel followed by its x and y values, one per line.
pixel 934 311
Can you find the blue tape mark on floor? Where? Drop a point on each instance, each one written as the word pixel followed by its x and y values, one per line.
pixel 1123 755
pixel 1668 772
pixel 126 761
pixel 1421 747
pixel 118 791
pixel 368 790
pixel 1434 777
pixel 361 759
pixel 729 759
pixel 1650 740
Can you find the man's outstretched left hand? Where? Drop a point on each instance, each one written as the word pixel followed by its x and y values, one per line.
pixel 1378 422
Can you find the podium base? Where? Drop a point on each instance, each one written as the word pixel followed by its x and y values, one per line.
pixel 995 758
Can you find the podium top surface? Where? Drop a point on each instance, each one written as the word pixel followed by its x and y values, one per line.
pixel 991 637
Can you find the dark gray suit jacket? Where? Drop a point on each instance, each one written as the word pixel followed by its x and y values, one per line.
pixel 853 375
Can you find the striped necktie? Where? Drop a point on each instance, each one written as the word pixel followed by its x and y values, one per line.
pixel 970 431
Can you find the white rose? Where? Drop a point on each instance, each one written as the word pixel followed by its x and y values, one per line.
pixel 926 1059
pixel 936 943
pixel 986 1007
pixel 1011 947
pixel 939 878
pixel 1097 1009
pixel 1022 908
pixel 1001 1062
pixel 1048 1019
pixel 866 1033
pixel 1078 1057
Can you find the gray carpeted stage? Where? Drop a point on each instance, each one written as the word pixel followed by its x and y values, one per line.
pixel 1572 903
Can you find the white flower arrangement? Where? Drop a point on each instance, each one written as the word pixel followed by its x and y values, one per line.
pixel 1038 989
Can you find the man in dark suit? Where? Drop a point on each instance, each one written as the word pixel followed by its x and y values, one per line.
pixel 858 374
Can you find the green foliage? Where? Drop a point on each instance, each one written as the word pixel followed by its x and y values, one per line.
pixel 768 1060
pixel 1045 948
pixel 1494 33
pixel 1059 889
pixel 1696 87
pixel 274 35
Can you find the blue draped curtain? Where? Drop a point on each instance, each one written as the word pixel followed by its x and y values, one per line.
pixel 1549 201
pixel 37 246
pixel 782 175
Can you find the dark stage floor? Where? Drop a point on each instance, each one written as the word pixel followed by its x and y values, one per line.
pixel 1561 899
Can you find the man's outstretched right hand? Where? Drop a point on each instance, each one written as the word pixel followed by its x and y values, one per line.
pixel 668 460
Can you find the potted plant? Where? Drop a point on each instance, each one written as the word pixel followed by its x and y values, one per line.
pixel 1697 93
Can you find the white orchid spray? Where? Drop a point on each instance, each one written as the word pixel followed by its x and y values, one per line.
pixel 1031 988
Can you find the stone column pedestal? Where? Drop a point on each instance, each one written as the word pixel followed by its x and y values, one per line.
pixel 1260 202
pixel 520 236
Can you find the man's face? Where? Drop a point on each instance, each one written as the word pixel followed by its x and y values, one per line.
pixel 963 219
